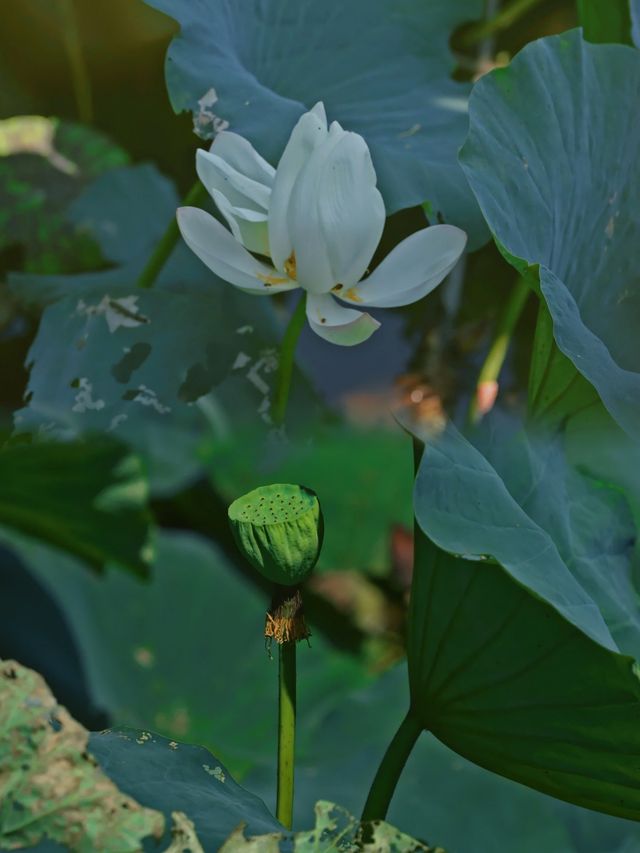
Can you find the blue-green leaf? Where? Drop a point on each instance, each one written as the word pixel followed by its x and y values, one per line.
pixel 635 21
pixel 170 776
pixel 518 611
pixel 381 71
pixel 552 158
pixel 126 211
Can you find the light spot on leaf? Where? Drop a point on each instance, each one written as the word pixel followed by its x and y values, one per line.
pixel 122 312
pixel 205 122
pixel 144 657
pixel 217 772
pixel 84 397
pixel 242 360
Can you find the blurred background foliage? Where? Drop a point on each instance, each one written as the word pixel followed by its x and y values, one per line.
pixel 181 653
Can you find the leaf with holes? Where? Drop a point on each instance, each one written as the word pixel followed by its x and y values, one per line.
pixel 255 67
pixel 171 776
pixel 50 787
pixel 552 158
pixel 111 357
pixel 335 830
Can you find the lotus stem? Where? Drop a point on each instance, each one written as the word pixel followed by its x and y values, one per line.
pixel 285 623
pixel 505 18
pixel 391 766
pixel 168 241
pixel 287 354
pixel 487 385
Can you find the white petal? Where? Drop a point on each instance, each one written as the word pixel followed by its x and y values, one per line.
pixel 304 218
pixel 241 191
pixel 247 226
pixel 336 324
pixel 414 268
pixel 223 254
pixel 350 209
pixel 240 154
pixel 309 132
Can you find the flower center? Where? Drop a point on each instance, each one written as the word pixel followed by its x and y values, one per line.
pixel 290 266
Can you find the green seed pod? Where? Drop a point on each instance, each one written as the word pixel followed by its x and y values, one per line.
pixel 279 530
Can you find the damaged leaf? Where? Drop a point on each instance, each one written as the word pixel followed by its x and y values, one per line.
pixel 335 830
pixel 50 786
pixel 214 802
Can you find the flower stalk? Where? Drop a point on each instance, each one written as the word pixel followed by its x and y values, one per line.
pixel 285 624
pixel 287 356
pixel 286 731
pixel 487 385
pixel 167 242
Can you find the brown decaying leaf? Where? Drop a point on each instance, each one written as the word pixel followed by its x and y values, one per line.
pixel 50 786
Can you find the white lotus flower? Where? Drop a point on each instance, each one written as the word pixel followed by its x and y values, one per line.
pixel 318 218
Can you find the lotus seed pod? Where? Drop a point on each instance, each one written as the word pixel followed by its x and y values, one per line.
pixel 279 530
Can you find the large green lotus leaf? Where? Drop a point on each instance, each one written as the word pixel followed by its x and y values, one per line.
pixel 552 158
pixel 515 665
pixel 513 498
pixel 184 654
pixel 441 796
pixel 171 776
pixel 359 515
pixel 44 165
pixel 383 71
pixel 86 497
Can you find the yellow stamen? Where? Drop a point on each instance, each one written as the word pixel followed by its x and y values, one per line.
pixel 271 279
pixel 290 265
pixel 352 295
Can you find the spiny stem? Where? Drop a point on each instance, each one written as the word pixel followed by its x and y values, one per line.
pixel 390 768
pixel 487 384
pixel 286 731
pixel 287 353
pixel 168 241
pixel 505 18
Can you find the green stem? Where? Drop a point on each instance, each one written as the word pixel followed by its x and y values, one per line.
pixel 494 360
pixel 287 353
pixel 77 63
pixel 286 731
pixel 505 18
pixel 168 241
pixel 391 767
